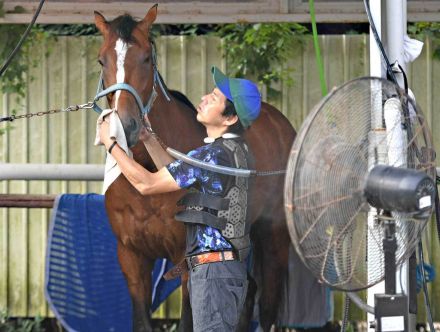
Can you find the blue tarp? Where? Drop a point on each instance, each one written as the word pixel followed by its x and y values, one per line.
pixel 85 287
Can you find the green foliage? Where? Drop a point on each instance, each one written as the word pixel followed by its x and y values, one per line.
pixel 429 29
pixel 69 29
pixel 425 28
pixel 20 324
pixel 259 51
pixel 14 78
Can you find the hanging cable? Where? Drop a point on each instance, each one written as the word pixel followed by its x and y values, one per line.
pixel 379 43
pixel 22 39
pixel 345 317
pixel 437 212
pixel 425 288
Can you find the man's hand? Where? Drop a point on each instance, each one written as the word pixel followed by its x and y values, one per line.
pixel 104 134
pixel 144 134
pixel 146 130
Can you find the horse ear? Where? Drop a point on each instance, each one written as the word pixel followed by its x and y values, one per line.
pixel 101 23
pixel 149 19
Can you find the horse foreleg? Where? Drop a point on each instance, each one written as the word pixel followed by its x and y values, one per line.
pixel 137 271
pixel 186 322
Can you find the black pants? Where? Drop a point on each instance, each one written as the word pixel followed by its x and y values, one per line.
pixel 217 292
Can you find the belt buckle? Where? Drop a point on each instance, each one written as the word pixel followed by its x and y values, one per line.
pixel 190 261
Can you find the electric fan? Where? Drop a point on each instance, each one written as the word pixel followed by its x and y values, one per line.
pixel 362 160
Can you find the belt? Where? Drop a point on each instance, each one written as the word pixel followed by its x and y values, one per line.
pixel 193 261
pixel 210 257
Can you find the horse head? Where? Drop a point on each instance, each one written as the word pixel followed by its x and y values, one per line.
pixel 127 59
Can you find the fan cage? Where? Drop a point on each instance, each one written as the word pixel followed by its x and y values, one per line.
pixel 336 233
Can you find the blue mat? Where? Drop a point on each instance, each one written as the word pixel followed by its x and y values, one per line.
pixel 85 287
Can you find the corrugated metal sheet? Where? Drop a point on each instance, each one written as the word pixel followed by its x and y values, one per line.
pixel 68 75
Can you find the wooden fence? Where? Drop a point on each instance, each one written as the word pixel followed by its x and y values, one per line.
pixel 68 75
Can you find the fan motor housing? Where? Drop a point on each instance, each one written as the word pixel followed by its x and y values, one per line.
pixel 399 189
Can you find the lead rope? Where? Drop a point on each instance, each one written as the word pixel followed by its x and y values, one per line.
pixel 72 108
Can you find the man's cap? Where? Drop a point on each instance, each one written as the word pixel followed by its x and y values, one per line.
pixel 242 93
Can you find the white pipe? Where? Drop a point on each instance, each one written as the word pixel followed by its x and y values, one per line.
pixel 51 172
pixel 396 30
pixel 396 136
pixel 397 157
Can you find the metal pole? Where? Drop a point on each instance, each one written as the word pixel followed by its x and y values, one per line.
pixel 395 31
pixel 26 201
pixel 377 135
pixel 51 172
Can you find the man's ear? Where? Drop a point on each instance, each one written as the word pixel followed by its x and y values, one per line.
pixel 230 120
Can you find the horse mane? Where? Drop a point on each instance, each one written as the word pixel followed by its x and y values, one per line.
pixel 183 99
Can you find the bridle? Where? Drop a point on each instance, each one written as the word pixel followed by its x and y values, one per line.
pixel 143 109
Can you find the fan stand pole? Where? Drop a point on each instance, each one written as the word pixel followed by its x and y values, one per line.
pixel 390 309
pixel 389 247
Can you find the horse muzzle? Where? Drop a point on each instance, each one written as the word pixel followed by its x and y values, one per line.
pixel 131 129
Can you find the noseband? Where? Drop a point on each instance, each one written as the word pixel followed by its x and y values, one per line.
pixel 144 110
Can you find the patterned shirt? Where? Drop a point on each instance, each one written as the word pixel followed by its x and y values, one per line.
pixel 202 238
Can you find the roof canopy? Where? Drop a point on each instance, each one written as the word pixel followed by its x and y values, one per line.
pixel 207 11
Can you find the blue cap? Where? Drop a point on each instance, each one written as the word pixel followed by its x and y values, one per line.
pixel 242 93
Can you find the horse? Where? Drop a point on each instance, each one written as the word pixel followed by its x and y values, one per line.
pixel 144 225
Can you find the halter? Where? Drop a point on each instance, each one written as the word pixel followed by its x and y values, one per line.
pixel 144 110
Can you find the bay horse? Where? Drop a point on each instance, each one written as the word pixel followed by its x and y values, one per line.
pixel 144 225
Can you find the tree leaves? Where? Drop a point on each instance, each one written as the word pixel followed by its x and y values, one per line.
pixel 430 29
pixel 14 79
pixel 260 51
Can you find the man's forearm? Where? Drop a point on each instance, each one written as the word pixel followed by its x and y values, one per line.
pixel 138 176
pixel 157 152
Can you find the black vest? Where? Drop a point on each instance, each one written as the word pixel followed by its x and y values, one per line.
pixel 229 213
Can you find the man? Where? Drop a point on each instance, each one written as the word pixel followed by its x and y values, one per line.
pixel 216 222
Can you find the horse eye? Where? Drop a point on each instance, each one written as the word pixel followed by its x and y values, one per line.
pixel 147 59
pixel 100 62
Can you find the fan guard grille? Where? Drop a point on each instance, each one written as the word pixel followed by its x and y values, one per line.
pixel 326 210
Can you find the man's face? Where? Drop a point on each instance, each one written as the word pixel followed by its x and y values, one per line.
pixel 210 109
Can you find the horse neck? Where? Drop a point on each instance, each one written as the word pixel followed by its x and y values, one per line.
pixel 176 123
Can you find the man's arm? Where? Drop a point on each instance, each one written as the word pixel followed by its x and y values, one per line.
pixel 145 182
pixel 155 148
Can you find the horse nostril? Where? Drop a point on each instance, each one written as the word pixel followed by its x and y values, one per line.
pixel 133 125
pixel 131 130
pixel 134 130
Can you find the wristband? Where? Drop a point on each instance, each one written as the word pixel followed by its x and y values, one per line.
pixel 111 147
